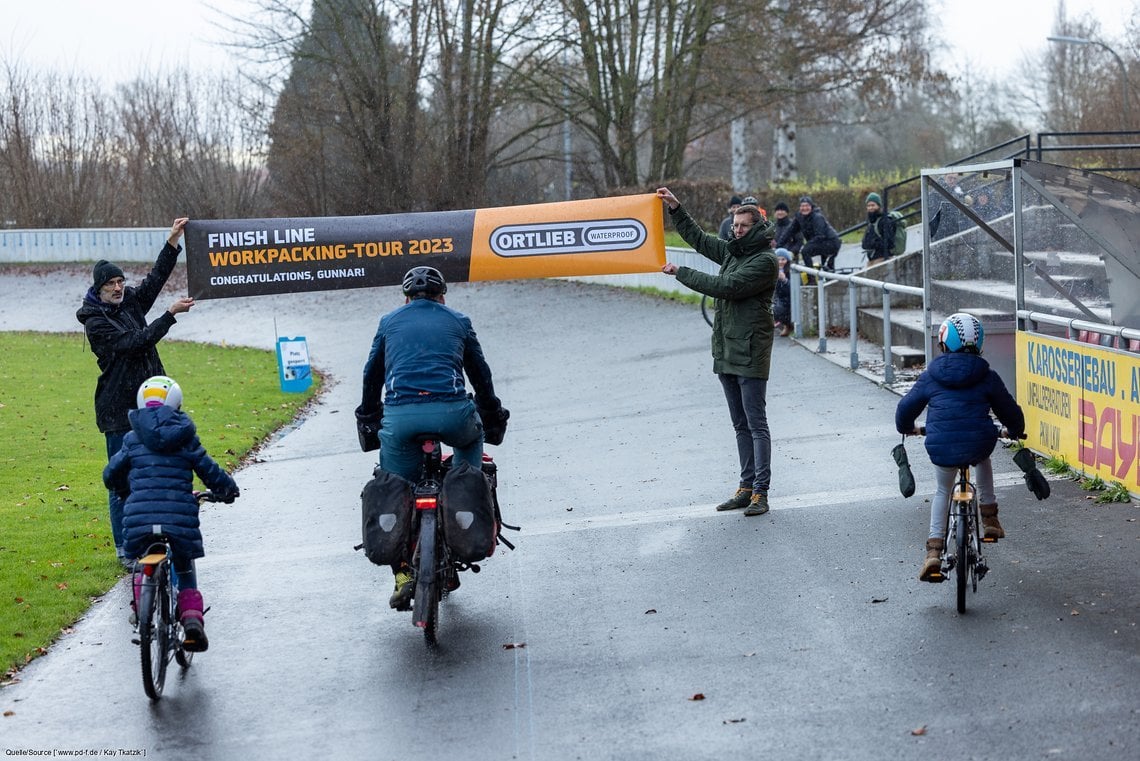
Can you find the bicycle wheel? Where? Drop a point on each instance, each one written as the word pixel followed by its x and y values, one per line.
pixel 707 306
pixel 154 635
pixel 964 567
pixel 425 608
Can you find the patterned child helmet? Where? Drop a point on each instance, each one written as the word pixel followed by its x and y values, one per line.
pixel 961 332
pixel 157 391
pixel 426 281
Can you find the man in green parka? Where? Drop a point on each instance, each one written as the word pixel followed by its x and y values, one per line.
pixel 743 331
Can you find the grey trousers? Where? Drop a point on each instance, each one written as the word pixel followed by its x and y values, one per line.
pixel 748 409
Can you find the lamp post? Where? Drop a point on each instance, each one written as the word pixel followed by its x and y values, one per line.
pixel 1066 40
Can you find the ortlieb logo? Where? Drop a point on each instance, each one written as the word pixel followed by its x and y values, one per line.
pixel 568 237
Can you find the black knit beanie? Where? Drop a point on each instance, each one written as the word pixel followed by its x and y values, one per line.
pixel 104 271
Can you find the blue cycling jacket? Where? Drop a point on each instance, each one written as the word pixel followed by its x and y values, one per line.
pixel 960 389
pixel 419 354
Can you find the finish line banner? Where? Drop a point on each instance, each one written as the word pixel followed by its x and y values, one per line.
pixel 256 257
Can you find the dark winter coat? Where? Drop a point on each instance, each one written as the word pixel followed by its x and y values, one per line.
pixel 820 238
pixel 743 328
pixel 124 343
pixel 782 298
pixel 782 225
pixel 157 463
pixel 879 237
pixel 960 390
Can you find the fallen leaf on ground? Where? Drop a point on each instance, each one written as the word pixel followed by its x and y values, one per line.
pixel 651 610
pixel 514 645
pixel 919 731
pixel 732 721
pixel 63 487
pixel 879 599
pixel 698 696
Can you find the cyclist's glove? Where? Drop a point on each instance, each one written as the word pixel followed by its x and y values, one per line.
pixel 1034 480
pixel 231 496
pixel 906 477
pixel 494 424
pixel 368 428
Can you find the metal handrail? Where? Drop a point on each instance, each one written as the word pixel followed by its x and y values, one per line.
pixel 822 276
pixel 1072 324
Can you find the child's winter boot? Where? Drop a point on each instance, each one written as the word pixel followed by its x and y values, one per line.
pixel 992 530
pixel 191 614
pixel 932 565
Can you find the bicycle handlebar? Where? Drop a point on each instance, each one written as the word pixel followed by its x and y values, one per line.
pixel 1002 431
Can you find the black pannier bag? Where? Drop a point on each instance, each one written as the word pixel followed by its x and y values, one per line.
pixel 470 521
pixel 386 510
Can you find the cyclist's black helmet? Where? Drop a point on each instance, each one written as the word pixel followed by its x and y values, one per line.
pixel 424 281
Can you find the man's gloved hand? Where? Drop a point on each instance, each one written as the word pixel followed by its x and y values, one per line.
pixel 1034 479
pixel 906 477
pixel 229 498
pixel 368 428
pixel 494 423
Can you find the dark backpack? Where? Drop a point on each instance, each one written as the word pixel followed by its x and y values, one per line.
pixel 900 232
pixel 467 506
pixel 386 516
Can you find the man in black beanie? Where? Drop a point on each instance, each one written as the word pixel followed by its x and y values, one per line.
pixel 114 319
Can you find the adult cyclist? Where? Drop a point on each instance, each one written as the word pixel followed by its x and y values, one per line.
pixel 413 384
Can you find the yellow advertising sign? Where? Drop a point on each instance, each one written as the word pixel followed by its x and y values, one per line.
pixel 251 257
pixel 1082 402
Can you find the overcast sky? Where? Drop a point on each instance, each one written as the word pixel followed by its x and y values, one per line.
pixel 114 39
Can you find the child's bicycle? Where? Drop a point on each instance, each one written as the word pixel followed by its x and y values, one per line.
pixel 962 550
pixel 158 627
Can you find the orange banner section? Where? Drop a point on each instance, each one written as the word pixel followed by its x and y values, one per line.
pixel 603 236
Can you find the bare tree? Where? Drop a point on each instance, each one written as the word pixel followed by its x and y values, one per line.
pixel 56 150
pixel 190 147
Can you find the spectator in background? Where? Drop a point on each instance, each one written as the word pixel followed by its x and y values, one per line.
pixel 783 220
pixel 726 223
pixel 879 237
pixel 113 315
pixel 782 298
pixel 820 238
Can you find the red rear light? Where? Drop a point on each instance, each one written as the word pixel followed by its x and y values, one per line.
pixel 148 570
pixel 426 503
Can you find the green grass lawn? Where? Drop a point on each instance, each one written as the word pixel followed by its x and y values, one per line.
pixel 56 552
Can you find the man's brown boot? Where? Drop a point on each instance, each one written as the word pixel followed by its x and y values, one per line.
pixel 991 529
pixel 932 565
pixel 737 501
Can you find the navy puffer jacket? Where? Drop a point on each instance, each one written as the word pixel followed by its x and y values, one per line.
pixel 960 390
pixel 157 463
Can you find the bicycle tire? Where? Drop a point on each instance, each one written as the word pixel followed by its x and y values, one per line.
pixel 154 634
pixel 425 607
pixel 705 312
pixel 964 567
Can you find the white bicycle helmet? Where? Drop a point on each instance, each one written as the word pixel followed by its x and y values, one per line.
pixel 157 391
pixel 961 332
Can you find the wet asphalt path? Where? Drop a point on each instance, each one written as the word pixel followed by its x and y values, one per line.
pixel 804 629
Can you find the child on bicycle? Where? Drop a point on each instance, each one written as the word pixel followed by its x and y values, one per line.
pixel 154 472
pixel 960 389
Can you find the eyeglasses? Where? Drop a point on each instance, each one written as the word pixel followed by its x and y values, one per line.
pixel 113 283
